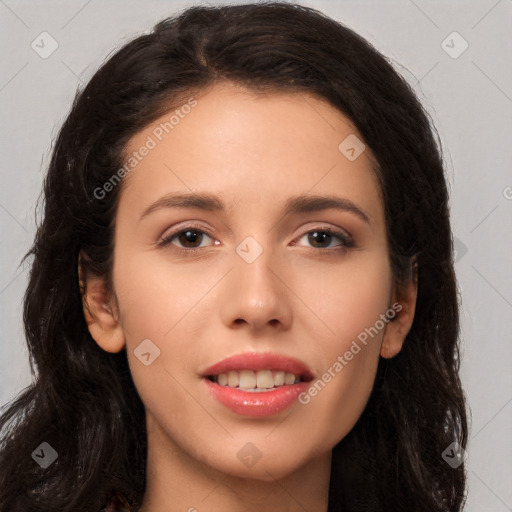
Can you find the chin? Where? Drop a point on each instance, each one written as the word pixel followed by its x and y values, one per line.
pixel 266 468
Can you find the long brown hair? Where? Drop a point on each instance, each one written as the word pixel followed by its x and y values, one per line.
pixel 83 401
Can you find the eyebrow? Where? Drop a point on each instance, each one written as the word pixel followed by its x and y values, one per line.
pixel 294 205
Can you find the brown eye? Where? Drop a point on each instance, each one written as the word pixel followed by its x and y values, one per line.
pixel 320 237
pixel 323 238
pixel 188 238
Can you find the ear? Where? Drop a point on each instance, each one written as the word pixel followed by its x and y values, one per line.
pixel 100 311
pixel 404 306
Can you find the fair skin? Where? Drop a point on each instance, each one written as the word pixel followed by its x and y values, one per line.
pixel 304 297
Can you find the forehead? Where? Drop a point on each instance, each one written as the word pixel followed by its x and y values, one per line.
pixel 248 146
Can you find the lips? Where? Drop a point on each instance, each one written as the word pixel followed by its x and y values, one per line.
pixel 241 397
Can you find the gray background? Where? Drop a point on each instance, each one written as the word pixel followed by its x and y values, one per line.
pixel 469 98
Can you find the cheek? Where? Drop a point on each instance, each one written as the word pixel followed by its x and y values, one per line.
pixel 351 305
pixel 164 306
pixel 346 299
pixel 153 297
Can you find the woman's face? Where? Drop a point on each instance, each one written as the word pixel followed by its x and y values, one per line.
pixel 251 270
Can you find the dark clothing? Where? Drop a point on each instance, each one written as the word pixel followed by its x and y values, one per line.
pixel 116 503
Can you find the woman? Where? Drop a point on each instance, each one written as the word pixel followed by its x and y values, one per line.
pixel 257 368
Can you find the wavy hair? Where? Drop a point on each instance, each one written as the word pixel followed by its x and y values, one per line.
pixel 82 400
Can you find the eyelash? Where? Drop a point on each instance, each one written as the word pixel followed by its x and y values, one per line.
pixel 346 241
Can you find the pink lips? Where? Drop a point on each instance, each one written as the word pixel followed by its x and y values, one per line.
pixel 257 403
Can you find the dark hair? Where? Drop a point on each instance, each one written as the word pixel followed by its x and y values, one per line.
pixel 83 401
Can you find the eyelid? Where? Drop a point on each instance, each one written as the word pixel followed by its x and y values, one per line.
pixel 327 227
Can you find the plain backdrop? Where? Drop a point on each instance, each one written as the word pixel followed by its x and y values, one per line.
pixel 464 79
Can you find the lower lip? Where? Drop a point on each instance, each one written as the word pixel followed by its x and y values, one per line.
pixel 256 403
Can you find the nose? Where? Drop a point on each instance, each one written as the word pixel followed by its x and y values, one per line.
pixel 256 296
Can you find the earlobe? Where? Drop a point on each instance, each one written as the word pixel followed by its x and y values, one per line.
pixel 100 312
pixel 399 326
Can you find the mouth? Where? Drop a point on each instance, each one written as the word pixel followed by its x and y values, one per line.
pixel 257 384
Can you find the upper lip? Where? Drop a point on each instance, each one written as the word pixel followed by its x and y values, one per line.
pixel 260 361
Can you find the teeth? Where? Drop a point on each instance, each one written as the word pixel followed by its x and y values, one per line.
pixel 278 378
pixel 289 378
pixel 247 379
pixel 233 379
pixel 261 380
pixel 264 379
